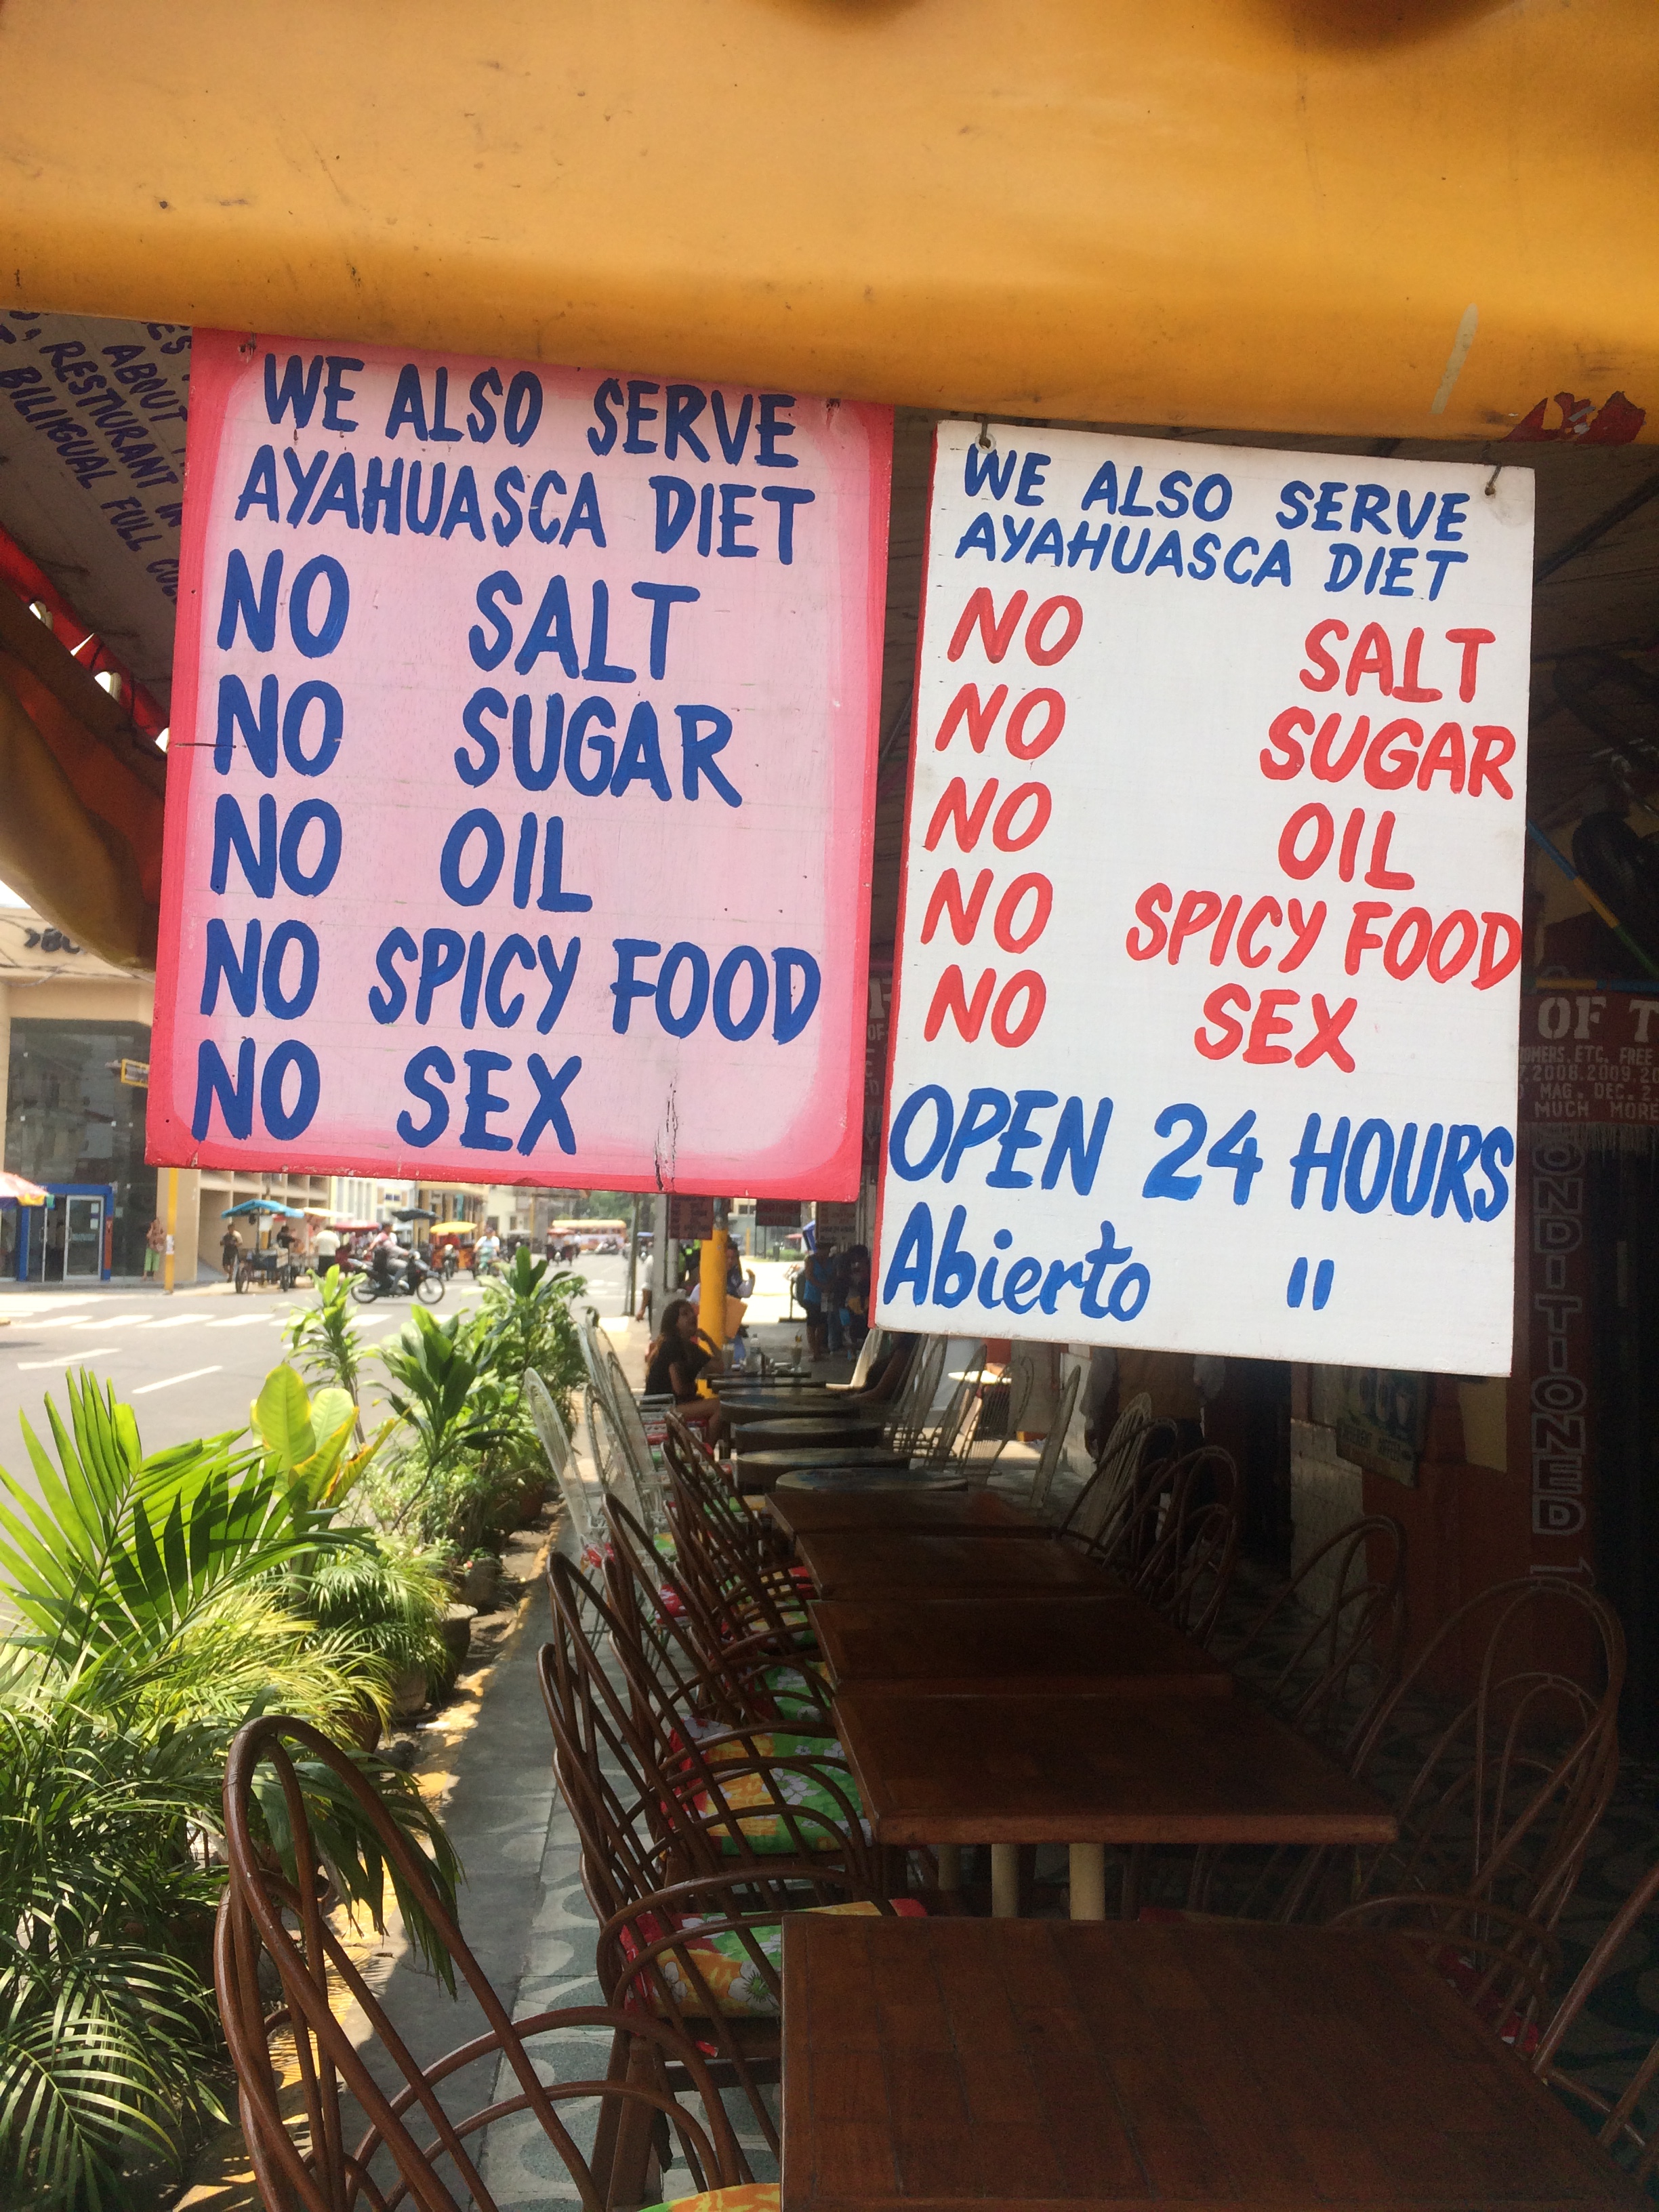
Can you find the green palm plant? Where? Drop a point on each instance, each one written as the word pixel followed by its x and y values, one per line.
pixel 526 1323
pixel 160 1604
pixel 438 1378
pixel 325 1338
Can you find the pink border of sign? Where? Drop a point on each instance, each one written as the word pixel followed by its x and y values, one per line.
pixel 821 1154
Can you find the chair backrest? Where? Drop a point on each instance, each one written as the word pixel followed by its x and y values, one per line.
pixel 1326 1649
pixel 875 1340
pixel 1134 1436
pixel 1179 1545
pixel 912 1409
pixel 719 1786
pixel 604 1760
pixel 951 1436
pixel 554 1440
pixel 737 1611
pixel 1054 1445
pixel 635 1442
pixel 610 1458
pixel 1511 1778
pixel 1619 2120
pixel 410 2136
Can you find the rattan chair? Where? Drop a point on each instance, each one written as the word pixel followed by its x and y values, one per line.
pixel 409 2146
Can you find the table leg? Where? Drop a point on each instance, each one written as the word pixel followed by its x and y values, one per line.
pixel 1088 1881
pixel 1005 1882
pixel 950 1866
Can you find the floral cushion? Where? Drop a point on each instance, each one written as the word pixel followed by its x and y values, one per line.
pixel 791 1694
pixel 725 1964
pixel 747 1621
pixel 749 1794
pixel 748 2197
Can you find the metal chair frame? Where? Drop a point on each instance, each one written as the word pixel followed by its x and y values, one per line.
pixel 1133 1439
pixel 672 1763
pixel 411 2130
pixel 1615 2119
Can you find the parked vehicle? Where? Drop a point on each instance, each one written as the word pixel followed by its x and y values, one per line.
pixel 267 1266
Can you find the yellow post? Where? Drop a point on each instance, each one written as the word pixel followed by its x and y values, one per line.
pixel 172 1224
pixel 712 1307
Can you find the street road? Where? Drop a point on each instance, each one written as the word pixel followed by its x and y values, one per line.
pixel 190 1364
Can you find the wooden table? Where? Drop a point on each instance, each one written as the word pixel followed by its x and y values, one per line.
pixel 797 1432
pixel 933 2063
pixel 1090 1772
pixel 1116 1646
pixel 857 1563
pixel 791 1405
pixel 913 1508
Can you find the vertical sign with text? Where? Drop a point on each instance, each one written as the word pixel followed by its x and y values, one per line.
pixel 1205 1012
pixel 520 790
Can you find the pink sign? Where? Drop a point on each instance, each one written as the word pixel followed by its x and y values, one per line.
pixel 522 763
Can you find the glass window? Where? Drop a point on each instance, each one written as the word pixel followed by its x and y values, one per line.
pixel 71 1119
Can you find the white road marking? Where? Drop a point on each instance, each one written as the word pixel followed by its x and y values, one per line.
pixel 179 1321
pixel 93 1351
pixel 167 1381
pixel 249 1321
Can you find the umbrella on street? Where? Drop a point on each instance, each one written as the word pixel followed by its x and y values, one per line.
pixel 21 1191
pixel 412 1213
pixel 453 1228
pixel 262 1206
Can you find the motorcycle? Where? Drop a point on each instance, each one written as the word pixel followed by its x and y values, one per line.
pixel 408 1278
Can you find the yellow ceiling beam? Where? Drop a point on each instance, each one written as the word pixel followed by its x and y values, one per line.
pixel 1260 213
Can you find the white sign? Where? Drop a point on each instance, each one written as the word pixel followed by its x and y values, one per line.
pixel 520 790
pixel 1204 1014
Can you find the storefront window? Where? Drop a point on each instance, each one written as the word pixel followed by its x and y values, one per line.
pixel 71 1120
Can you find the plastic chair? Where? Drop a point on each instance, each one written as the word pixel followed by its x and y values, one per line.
pixel 1054 1445
pixel 581 1509
pixel 413 2149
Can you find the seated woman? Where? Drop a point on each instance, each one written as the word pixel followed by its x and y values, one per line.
pixel 673 1363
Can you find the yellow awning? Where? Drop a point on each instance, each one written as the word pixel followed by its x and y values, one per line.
pixel 1397 217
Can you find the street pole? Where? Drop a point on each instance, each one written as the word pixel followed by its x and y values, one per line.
pixel 633 1253
pixel 172 1224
